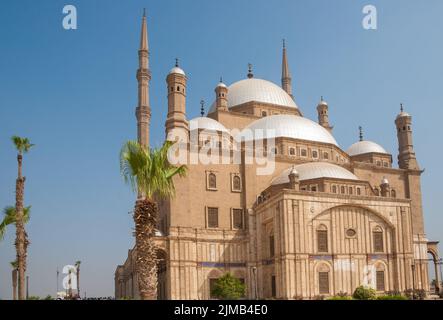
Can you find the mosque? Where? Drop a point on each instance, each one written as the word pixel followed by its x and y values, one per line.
pixel 325 221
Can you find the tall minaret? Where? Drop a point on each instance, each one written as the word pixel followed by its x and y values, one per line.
pixel 176 118
pixel 286 80
pixel 406 153
pixel 323 115
pixel 143 111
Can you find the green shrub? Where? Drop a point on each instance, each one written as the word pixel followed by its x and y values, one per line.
pixel 228 288
pixel 364 293
pixel 392 297
pixel 340 298
pixel 33 298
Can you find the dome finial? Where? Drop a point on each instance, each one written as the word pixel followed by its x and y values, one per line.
pixel 144 12
pixel 202 108
pixel 250 74
pixel 401 107
pixel 284 43
pixel 176 62
pixel 360 129
pixel 221 79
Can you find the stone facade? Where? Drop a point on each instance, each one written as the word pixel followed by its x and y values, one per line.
pixel 298 239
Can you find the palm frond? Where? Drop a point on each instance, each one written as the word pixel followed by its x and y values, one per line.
pixel 10 217
pixel 148 171
pixel 22 144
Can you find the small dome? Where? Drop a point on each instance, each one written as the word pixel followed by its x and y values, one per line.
pixel 322 103
pixel 293 171
pixel 385 181
pixel 363 147
pixel 205 123
pixel 258 90
pixel 177 70
pixel 315 170
pixel 288 126
pixel 221 85
pixel 403 114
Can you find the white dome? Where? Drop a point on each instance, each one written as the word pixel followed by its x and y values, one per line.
pixel 177 70
pixel 257 90
pixel 205 123
pixel 363 147
pixel 288 126
pixel 315 170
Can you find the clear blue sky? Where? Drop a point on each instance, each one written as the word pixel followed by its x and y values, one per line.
pixel 73 93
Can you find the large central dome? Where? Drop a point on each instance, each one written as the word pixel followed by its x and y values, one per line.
pixel 258 90
pixel 287 126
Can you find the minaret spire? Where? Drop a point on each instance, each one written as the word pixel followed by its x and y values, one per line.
pixel 202 108
pixel 360 130
pixel 286 80
pixel 143 111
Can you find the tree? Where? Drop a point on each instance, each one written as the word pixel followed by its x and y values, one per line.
pixel 77 271
pixel 228 288
pixel 10 217
pixel 22 145
pixel 150 175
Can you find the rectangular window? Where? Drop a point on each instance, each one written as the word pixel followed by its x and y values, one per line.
pixel 273 287
pixel 237 218
pixel 304 153
pixel 323 282
pixel 378 241
pixel 271 246
pixel 212 217
pixel 212 283
pixel 380 279
pixel 322 241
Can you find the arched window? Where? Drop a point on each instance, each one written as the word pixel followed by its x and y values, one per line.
pixel 323 279
pixel 326 155
pixel 377 192
pixel 212 181
pixel 393 194
pixel 314 154
pixel 236 183
pixel 178 88
pixel 304 153
pixel 322 239
pixel 358 191
pixel 342 189
pixel 334 189
pixel 264 113
pixel 351 191
pixel 292 151
pixel 377 239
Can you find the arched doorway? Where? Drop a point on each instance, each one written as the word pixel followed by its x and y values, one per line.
pixel 436 285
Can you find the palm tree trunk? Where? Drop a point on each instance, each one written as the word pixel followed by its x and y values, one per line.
pixel 20 241
pixel 145 219
pixel 14 284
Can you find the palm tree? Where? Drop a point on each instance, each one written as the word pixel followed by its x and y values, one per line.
pixel 77 271
pixel 14 266
pixel 22 145
pixel 150 175
pixel 8 219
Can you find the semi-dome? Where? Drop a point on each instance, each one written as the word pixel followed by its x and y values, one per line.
pixel 205 123
pixel 258 90
pixel 315 170
pixel 365 146
pixel 287 126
